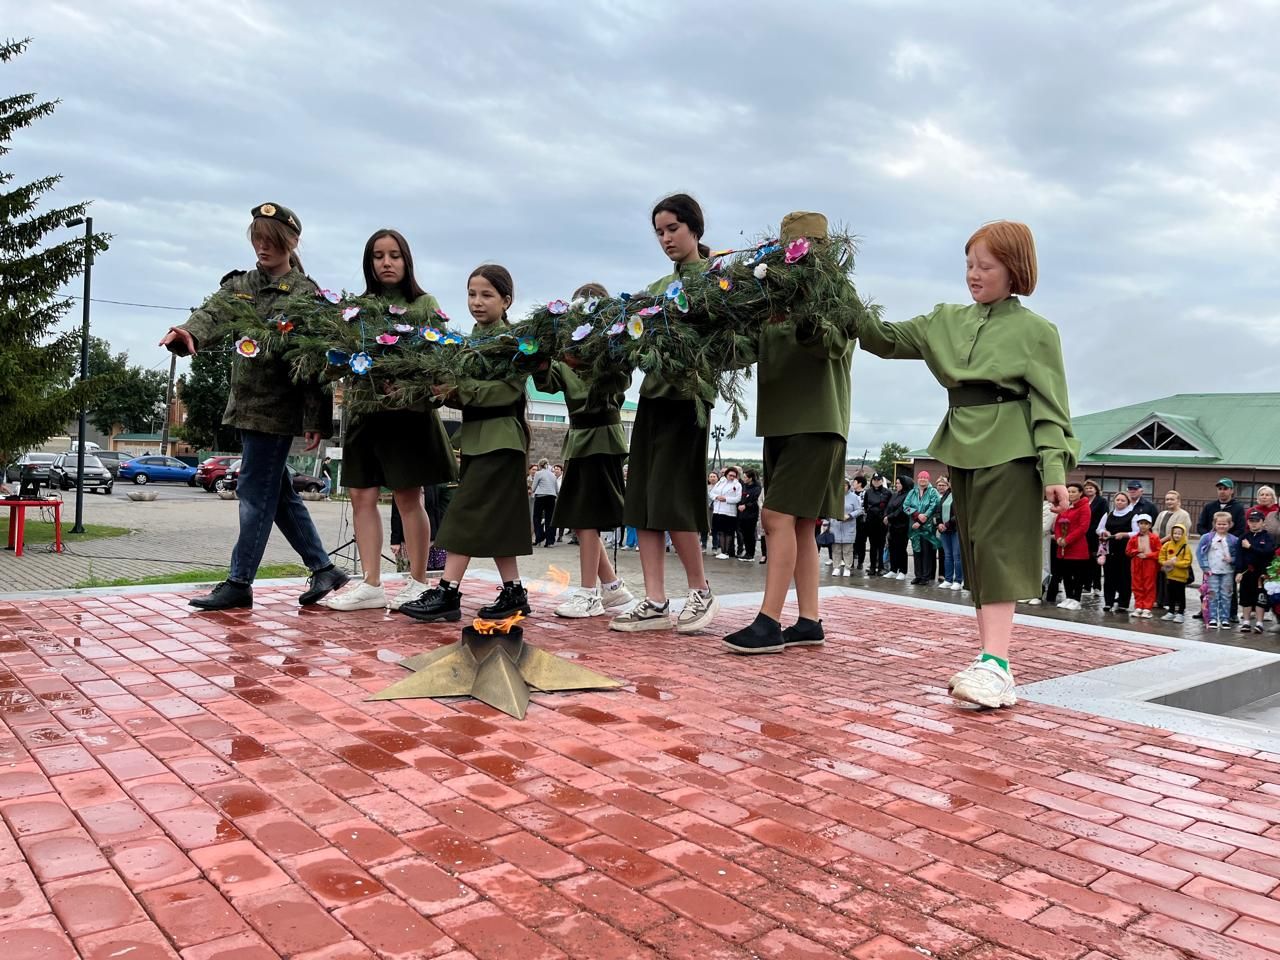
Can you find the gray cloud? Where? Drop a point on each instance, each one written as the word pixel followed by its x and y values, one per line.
pixel 1139 140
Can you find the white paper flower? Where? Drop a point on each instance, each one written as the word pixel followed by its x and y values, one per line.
pixel 761 271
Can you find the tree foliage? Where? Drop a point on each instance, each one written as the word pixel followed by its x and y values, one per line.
pixel 37 361
pixel 205 393
pixel 890 454
pixel 132 397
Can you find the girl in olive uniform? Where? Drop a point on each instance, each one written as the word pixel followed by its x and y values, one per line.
pixel 591 494
pixel 667 467
pixel 1006 437
pixel 802 412
pixel 269 409
pixel 403 449
pixel 489 513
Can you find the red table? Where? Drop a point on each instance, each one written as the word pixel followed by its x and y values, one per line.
pixel 18 521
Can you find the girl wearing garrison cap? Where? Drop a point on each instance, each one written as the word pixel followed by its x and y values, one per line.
pixel 269 409
pixel 802 412
pixel 1006 438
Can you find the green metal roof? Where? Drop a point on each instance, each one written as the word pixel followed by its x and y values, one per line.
pixel 1230 429
pixel 137 436
pixel 536 394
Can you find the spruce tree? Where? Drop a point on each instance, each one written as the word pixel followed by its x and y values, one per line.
pixel 37 361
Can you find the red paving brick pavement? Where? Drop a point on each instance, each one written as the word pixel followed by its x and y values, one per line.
pixel 213 786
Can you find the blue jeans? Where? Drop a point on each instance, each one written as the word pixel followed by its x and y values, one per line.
pixel 1220 585
pixel 632 538
pixel 266 497
pixel 951 568
pixel 328 485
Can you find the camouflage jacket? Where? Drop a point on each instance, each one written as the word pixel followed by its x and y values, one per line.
pixel 263 396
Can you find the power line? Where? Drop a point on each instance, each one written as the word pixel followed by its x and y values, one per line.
pixel 126 303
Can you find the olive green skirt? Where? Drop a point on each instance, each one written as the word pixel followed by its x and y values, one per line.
pixel 592 493
pixel 999 513
pixel 804 475
pixel 667 469
pixel 489 513
pixel 397 449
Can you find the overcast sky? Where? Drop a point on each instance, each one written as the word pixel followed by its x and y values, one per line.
pixel 1139 139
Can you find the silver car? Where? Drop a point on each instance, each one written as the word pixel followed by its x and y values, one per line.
pixel 62 473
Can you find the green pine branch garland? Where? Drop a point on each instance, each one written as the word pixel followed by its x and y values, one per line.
pixel 700 334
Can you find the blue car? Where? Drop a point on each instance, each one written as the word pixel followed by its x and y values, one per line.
pixel 147 469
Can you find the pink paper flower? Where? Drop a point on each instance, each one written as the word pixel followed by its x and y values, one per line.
pixel 387 339
pixel 796 250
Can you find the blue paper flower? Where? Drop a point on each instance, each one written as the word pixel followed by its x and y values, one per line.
pixel 451 338
pixel 675 289
pixel 361 363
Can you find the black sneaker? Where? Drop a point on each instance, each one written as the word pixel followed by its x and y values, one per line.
pixel 437 605
pixel 805 633
pixel 228 595
pixel 511 600
pixel 764 635
pixel 322 583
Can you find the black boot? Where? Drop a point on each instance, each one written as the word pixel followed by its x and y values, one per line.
pixel 805 633
pixel 512 599
pixel 440 604
pixel 228 595
pixel 322 583
pixel 764 635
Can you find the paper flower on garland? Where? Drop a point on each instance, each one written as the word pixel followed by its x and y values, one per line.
pixel 328 295
pixel 719 253
pixel 648 312
pixel 350 313
pixel 764 251
pixel 442 315
pixel 430 334
pixel 590 306
pixel 675 289
pixel 557 307
pixel 450 338
pixel 726 284
pixel 527 346
pixel 682 302
pixel 635 328
pixel 284 324
pixel 617 328
pixel 581 333
pixel 397 310
pixel 337 358
pixel 403 328
pixel 796 249
pixel 761 271
pixel 361 363
pixel 387 339
pixel 248 347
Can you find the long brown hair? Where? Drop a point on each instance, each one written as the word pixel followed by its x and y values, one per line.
pixel 279 236
pixel 408 285
pixel 685 209
pixel 501 279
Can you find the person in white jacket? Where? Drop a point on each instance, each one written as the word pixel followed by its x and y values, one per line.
pixel 725 496
pixel 845 530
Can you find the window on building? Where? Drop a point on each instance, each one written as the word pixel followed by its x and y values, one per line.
pixel 547 417
pixel 1113 485
pixel 1156 436
pixel 1248 492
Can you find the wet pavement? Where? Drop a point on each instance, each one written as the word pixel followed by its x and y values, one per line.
pixel 215 786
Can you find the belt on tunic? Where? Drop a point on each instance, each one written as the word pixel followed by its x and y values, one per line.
pixel 980 394
pixel 472 414
pixel 603 418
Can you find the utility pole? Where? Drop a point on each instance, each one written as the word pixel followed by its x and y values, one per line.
pixel 168 405
pixel 84 367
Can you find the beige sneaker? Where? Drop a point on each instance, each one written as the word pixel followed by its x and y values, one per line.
pixel 618 596
pixel 698 611
pixel 360 597
pixel 411 590
pixel 985 683
pixel 584 603
pixel 645 615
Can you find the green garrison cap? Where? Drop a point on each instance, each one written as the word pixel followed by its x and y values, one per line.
pixel 273 211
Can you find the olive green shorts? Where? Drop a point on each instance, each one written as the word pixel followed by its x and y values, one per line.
pixel 804 475
pixel 999 513
pixel 397 449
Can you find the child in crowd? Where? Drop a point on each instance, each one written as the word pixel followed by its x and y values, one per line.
pixel 1257 550
pixel 1175 561
pixel 1072 546
pixel 1143 549
pixel 1219 555
pixel 844 530
pixel 489 514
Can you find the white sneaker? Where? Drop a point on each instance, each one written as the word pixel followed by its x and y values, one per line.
pixel 1179 618
pixel 412 590
pixel 645 615
pixel 1134 612
pixel 722 556
pixel 900 576
pixel 1034 602
pixel 847 572
pixel 584 603
pixel 985 683
pixel 944 585
pixel 1167 616
pixel 827 561
pixel 618 596
pixel 698 611
pixel 957 586
pixel 1064 604
pixel 360 597
pixel 1075 604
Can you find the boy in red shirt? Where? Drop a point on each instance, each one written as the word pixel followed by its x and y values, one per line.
pixel 1144 552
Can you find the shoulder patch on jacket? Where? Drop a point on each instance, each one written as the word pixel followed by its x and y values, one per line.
pixel 231 275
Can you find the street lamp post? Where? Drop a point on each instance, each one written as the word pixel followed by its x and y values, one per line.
pixel 84 366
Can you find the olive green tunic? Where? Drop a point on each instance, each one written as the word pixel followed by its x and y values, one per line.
pixel 1002 454
pixel 264 396
pixel 489 513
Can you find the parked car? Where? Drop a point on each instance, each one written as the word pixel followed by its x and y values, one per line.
pixel 62 473
pixel 302 483
pixel 155 468
pixel 111 459
pixel 211 471
pixel 33 465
